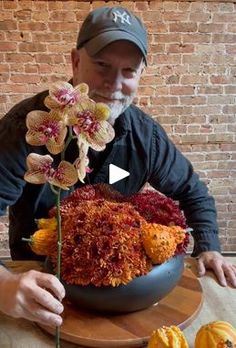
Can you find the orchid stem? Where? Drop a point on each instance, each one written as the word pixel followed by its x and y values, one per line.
pixel 57 192
pixel 58 271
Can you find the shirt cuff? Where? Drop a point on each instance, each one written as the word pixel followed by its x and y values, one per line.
pixel 205 241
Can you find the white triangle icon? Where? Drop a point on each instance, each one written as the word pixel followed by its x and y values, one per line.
pixel 116 173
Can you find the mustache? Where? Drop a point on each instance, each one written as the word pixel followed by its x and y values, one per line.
pixel 116 95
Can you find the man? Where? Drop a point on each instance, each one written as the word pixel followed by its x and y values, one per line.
pixel 110 57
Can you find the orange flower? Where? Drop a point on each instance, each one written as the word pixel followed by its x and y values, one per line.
pixel 40 171
pixel 46 129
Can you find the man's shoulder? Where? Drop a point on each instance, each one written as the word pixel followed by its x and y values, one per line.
pixel 139 119
pixel 19 111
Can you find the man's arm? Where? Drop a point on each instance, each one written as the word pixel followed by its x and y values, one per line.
pixel 172 174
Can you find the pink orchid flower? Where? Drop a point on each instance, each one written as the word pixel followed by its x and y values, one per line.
pixel 64 95
pixel 46 129
pixel 89 121
pixel 40 171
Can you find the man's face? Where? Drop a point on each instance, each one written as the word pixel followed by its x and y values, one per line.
pixel 112 75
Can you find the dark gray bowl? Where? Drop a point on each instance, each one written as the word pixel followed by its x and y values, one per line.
pixel 140 293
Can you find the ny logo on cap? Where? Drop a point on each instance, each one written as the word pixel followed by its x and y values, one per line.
pixel 124 17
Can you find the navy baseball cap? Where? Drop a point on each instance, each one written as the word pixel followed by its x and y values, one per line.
pixel 108 24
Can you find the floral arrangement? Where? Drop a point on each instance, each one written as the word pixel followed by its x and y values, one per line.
pixel 102 237
pixel 109 239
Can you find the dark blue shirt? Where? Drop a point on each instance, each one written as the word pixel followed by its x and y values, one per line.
pixel 141 147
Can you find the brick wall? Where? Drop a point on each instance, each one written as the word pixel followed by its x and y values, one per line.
pixel 189 85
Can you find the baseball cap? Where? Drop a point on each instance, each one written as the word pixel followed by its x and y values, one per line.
pixel 105 25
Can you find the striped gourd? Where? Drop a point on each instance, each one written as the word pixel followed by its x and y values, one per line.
pixel 216 334
pixel 168 337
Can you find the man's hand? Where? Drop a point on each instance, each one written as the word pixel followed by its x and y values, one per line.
pixel 33 295
pixel 224 270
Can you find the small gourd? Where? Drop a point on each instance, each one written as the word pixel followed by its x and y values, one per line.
pixel 43 241
pixel 216 334
pixel 159 243
pixel 168 337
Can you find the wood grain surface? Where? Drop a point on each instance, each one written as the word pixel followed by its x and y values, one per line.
pixel 219 304
pixel 180 308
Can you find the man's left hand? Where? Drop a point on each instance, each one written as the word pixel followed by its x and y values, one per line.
pixel 224 270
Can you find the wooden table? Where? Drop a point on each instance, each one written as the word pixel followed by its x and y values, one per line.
pixel 219 304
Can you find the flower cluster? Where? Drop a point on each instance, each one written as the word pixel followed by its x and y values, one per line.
pixel 72 115
pixel 102 244
pixel 107 240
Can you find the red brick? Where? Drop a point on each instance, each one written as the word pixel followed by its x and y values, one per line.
pixel 180 48
pixel 230 49
pixel 32 47
pixel 196 38
pixel 199 17
pixel 181 90
pixel 141 6
pixel 16 57
pixel 224 38
pixel 8 47
pixel 29 78
pixel 164 100
pixel 63 27
pixel 8 25
pixel 193 100
pixel 25 4
pixel 40 16
pixel 211 28
pixel 32 26
pixel 175 16
pixel 166 38
pixel 23 15
pixel 79 5
pixel 39 5
pixel 67 16
pixel 224 18
pixel 183 27
pixel 9 4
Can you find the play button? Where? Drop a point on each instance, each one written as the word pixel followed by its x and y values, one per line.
pixel 116 174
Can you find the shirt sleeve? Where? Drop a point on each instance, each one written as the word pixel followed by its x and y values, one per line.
pixel 12 165
pixel 172 174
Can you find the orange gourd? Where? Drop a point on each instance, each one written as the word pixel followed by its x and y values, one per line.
pixel 168 337
pixel 160 241
pixel 216 334
pixel 43 241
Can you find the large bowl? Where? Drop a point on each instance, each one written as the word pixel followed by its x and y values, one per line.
pixel 138 294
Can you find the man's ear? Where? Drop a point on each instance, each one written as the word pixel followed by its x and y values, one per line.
pixel 75 59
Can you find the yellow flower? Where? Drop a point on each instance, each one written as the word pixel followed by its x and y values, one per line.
pixel 46 129
pixel 40 171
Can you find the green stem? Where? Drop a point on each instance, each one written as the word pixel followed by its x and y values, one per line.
pixel 58 271
pixel 58 200
pixel 26 240
pixel 57 192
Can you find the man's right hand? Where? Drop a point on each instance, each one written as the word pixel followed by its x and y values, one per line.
pixel 33 295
